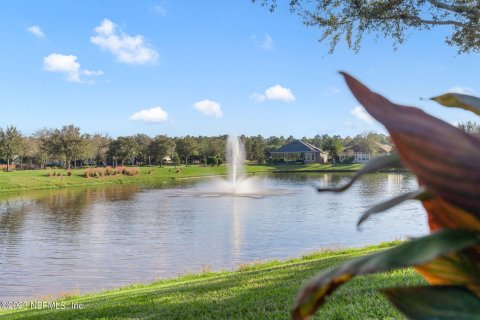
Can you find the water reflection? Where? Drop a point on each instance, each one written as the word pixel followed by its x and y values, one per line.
pixel 55 241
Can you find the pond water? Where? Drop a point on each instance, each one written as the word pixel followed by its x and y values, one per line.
pixel 91 239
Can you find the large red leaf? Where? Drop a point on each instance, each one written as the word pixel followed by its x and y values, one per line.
pixel 442 214
pixel 445 159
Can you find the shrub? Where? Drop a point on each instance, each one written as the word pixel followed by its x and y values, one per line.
pixel 109 171
pixel 3 167
pixel 212 161
pixel 131 171
pixel 88 173
pixel 349 160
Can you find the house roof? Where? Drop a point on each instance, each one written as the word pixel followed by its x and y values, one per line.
pixel 297 146
pixel 380 148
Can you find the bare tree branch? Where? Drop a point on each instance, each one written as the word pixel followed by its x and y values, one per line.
pixel 432 22
pixel 455 8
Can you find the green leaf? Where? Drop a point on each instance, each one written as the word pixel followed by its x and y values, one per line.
pixel 435 302
pixel 458 100
pixel 390 161
pixel 420 194
pixel 412 253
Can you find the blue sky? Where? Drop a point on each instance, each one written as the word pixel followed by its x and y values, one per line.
pixel 205 68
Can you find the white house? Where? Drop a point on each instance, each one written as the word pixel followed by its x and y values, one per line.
pixel 358 154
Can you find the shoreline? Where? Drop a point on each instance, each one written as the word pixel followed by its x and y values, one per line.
pixel 20 181
pixel 34 180
pixel 261 290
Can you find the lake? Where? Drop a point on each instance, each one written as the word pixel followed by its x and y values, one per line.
pixel 91 239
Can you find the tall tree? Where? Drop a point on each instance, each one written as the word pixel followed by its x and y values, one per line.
pixel 389 18
pixel 100 144
pixel 161 147
pixel 124 149
pixel 186 147
pixel 255 148
pixel 217 147
pixel 44 150
pixel 10 144
pixel 333 145
pixel 67 143
pixel 28 150
pixel 143 142
pixel 369 141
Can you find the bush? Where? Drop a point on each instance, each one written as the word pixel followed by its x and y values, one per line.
pixel 3 167
pixel 348 160
pixel 131 171
pixel 109 171
pixel 212 161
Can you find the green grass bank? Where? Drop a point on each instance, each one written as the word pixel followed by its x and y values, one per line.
pixel 42 179
pixel 257 291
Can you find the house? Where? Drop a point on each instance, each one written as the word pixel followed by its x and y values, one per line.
pixel 358 154
pixel 298 151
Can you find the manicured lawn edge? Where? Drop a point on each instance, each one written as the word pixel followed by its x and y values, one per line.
pixel 264 290
pixel 40 179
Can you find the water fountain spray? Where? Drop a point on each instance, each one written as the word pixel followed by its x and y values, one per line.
pixel 235 158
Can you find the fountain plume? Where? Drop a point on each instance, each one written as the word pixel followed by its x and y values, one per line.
pixel 235 158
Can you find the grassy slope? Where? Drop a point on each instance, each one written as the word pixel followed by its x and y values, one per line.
pixel 260 291
pixel 39 179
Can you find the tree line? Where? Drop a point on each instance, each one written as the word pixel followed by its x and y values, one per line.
pixel 69 147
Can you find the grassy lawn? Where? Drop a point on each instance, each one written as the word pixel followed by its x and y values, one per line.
pixel 258 291
pixel 40 179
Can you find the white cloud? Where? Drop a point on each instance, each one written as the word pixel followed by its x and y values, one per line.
pixel 258 97
pixel 127 49
pixel 68 66
pixel 92 73
pixel 266 43
pixel 460 89
pixel 152 115
pixel 161 9
pixel 36 31
pixel 361 114
pixel 276 92
pixel 209 108
pixel 331 91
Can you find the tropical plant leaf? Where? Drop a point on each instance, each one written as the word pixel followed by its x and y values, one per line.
pixel 390 161
pixel 459 268
pixel 442 214
pixel 444 158
pixel 412 253
pixel 459 100
pixel 435 302
pixel 420 194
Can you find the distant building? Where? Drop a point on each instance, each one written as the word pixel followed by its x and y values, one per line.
pixel 298 151
pixel 358 154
